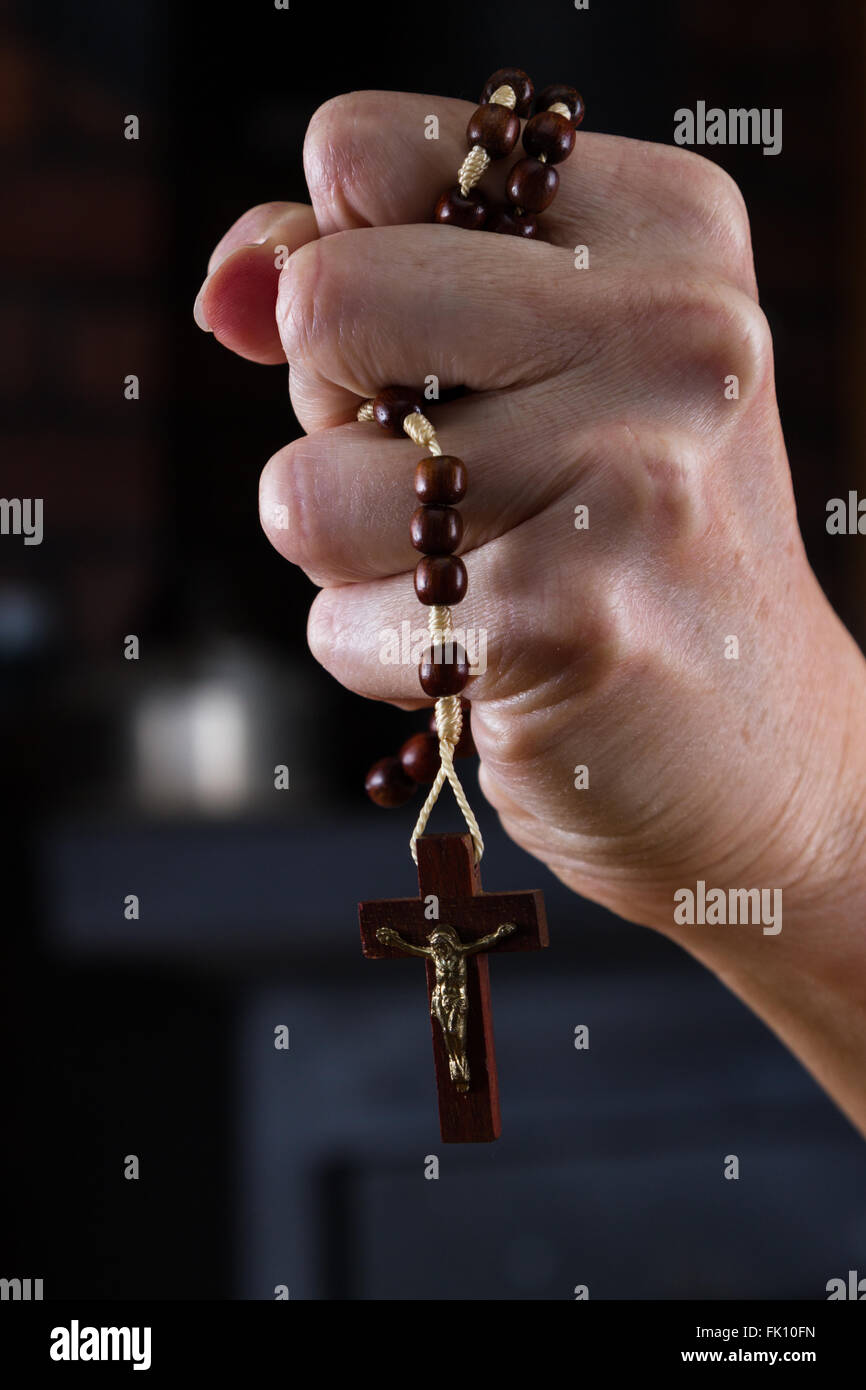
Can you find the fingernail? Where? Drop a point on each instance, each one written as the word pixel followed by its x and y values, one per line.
pixel 198 311
pixel 221 253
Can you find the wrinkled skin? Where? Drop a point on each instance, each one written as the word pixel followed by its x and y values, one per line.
pixel 603 387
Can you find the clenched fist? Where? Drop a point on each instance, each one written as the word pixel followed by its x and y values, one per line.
pixel 677 646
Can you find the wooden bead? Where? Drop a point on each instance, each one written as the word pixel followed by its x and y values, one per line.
pixel 495 129
pixel 419 757
pixel 388 784
pixel 440 479
pixel 511 223
pixel 532 185
pixel 392 405
pixel 455 210
pixel 436 530
pixel 566 96
pixel 441 579
pixel 444 670
pixel 549 134
pixel 515 78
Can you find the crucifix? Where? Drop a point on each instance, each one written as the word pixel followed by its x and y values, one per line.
pixel 455 926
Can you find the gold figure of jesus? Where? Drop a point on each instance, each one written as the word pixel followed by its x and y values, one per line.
pixel 449 1004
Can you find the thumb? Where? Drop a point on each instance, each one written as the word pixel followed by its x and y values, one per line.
pixel 237 301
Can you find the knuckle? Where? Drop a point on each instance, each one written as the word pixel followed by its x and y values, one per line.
pixel 715 341
pixel 562 657
pixel 707 205
pixel 672 500
pixel 322 631
pixel 333 639
pixel 717 197
pixel 651 480
pixel 731 339
pixel 321 291
pixel 289 510
pixel 334 154
pixel 300 302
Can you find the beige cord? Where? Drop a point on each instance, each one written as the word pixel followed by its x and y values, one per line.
pixel 473 168
pixel 449 711
pixel 504 96
pixel 421 432
pixel 477 162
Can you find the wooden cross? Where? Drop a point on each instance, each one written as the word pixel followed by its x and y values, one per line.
pixel 448 874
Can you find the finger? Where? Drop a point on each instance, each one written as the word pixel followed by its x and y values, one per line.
pixel 252 228
pixel 361 309
pixel 370 636
pixel 369 163
pixel 378 306
pixel 237 301
pixel 338 503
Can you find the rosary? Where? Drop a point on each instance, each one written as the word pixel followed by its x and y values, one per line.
pixel 453 924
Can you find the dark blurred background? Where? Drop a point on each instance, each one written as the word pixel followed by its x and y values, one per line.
pixel 155 1037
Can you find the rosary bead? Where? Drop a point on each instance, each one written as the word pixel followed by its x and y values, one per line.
pixel 392 405
pixel 515 78
pixel 441 579
pixel 455 210
pixel 566 96
pixel 532 185
pixel 440 478
pixel 436 530
pixel 419 757
pixel 509 222
pixel 549 134
pixel 388 784
pixel 444 670
pixel 495 129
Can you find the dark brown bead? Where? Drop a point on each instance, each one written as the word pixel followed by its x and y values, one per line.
pixel 388 785
pixel 532 185
pixel 566 96
pixel 419 757
pixel 440 478
pixel 495 129
pixel 456 211
pixel 436 530
pixel 392 405
pixel 511 223
pixel 549 134
pixel 441 579
pixel 516 79
pixel 444 669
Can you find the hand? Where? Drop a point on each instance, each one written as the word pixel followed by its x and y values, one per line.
pixel 679 648
pixel 386 936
